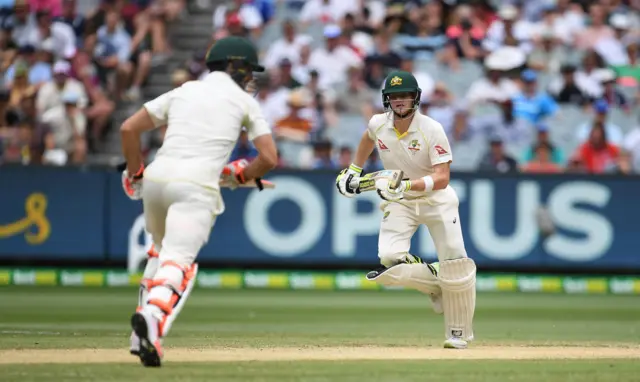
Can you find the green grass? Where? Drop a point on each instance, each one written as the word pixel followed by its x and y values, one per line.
pixel 63 318
pixel 33 317
pixel 392 371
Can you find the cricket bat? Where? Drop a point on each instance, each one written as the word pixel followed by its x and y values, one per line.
pixel 368 182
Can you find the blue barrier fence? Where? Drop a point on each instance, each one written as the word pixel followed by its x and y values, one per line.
pixel 69 214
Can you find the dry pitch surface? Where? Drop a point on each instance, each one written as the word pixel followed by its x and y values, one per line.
pixel 81 356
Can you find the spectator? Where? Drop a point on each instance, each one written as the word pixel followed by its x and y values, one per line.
pixel 530 104
pixel 374 72
pixel 244 13
pixel 52 6
pixel 294 127
pixel 20 86
pixel 285 78
pixel 462 129
pixel 61 35
pixel 542 163
pixel 302 71
pixel 508 31
pixel 612 131
pixel 587 77
pixel 598 154
pixel 71 17
pixel 322 156
pixel 465 38
pixel 345 157
pixel 8 52
pixel 38 71
pixel 612 48
pixel 22 24
pixel 555 154
pixel 360 42
pixel 631 145
pixel 610 92
pixel 15 140
pixel 512 128
pixel 68 126
pixel 50 94
pixel 356 99
pixel 286 47
pixel 440 107
pixel 597 30
pixel 565 90
pixel 428 40
pixel 114 52
pixel 494 87
pixel 549 54
pixel 333 60
pixel 552 25
pixel 629 74
pixel 497 159
pixel 326 11
pixel 624 166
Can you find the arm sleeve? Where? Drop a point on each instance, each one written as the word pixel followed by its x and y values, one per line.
pixel 255 122
pixel 439 148
pixel 158 108
pixel 373 127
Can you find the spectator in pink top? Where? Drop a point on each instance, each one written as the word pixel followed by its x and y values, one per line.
pixel 54 6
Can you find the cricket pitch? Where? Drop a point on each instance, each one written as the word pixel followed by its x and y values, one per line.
pixel 181 354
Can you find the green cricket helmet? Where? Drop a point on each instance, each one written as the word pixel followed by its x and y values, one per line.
pixel 234 48
pixel 400 82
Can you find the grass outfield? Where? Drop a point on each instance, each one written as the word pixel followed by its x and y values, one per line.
pixel 260 335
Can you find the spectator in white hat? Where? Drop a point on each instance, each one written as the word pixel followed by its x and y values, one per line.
pixel 333 60
pixel 67 124
pixel 508 31
pixel 50 94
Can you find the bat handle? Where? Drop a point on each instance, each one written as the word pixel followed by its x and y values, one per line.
pixel 355 183
pixel 259 184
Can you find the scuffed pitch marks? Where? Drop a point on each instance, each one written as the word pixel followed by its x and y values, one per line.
pixel 77 356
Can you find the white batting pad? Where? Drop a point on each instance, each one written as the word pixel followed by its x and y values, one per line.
pixel 458 283
pixel 181 301
pixel 414 276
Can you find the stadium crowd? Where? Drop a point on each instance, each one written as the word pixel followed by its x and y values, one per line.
pixel 63 72
pixel 541 86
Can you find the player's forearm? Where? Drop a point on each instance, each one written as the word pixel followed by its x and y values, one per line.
pixel 365 148
pixel 440 181
pixel 260 166
pixel 131 149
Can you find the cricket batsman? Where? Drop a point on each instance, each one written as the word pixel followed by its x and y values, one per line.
pixel 180 189
pixel 416 144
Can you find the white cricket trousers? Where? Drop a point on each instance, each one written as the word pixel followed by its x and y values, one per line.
pixel 401 220
pixel 179 216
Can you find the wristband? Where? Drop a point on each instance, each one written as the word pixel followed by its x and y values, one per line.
pixel 355 168
pixel 428 183
pixel 138 175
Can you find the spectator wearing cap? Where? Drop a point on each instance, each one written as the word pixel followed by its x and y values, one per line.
pixel 612 48
pixel 549 54
pixel 294 126
pixel 246 15
pixel 508 31
pixel 288 46
pixel 496 159
pixel 598 154
pixel 610 92
pixel 613 132
pixel 333 60
pixel 326 11
pixel 72 18
pixel 284 75
pixel 494 86
pixel 68 125
pixel 556 154
pixel 50 94
pixel 565 90
pixel 597 29
pixel 542 162
pixel 533 105
pixel 38 71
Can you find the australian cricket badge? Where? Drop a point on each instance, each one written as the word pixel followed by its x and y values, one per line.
pixel 414 146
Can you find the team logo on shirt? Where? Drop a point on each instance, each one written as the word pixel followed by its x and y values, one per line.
pixel 395 81
pixel 382 146
pixel 414 146
pixel 440 150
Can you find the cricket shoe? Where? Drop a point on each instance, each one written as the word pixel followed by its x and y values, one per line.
pixel 134 341
pixel 145 327
pixel 455 343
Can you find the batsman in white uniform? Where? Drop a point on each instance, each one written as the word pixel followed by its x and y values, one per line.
pixel 416 144
pixel 180 188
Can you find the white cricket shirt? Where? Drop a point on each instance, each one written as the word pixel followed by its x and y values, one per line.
pixel 204 120
pixel 415 152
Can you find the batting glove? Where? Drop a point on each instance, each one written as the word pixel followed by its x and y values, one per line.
pixel 132 184
pixel 389 194
pixel 234 172
pixel 345 177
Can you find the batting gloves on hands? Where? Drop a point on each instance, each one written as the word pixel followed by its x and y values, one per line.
pixel 132 184
pixel 345 177
pixel 389 194
pixel 234 172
